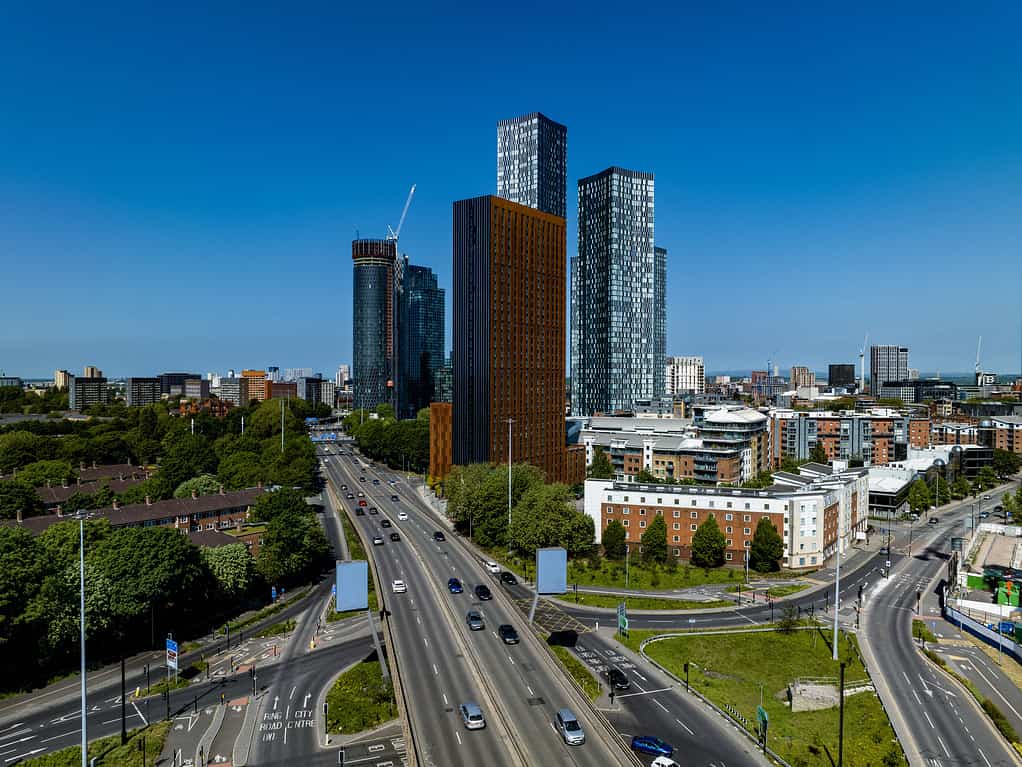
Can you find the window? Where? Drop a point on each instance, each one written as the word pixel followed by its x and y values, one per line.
pixel 610 509
pixel 694 502
pixel 694 515
pixel 695 527
pixel 746 517
pixel 747 530
pixel 728 529
pixel 642 523
pixel 748 544
pixel 728 517
pixel 626 499
pixel 801 560
pixel 642 512
pixel 729 504
pixel 748 506
pixel 676 514
pixel 730 542
pixel 677 539
pixel 677 501
pixel 642 499
pixel 676 552
pixel 766 506
pixel 677 525
pixel 728 555
pixel 625 510
pixel 711 504
pixel 624 523
pixel 659 501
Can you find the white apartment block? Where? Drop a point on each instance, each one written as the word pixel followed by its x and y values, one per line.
pixel 684 374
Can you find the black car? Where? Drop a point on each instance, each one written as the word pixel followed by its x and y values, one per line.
pixel 376 481
pixel 372 510
pixel 617 680
pixel 344 487
pixel 483 593
pixel 384 523
pixel 393 498
pixel 361 479
pixel 508 578
pixel 439 537
pixel 507 633
pixel 395 537
pixel 360 512
pixel 351 495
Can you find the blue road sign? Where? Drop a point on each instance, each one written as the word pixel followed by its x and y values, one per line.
pixel 273 593
pixel 171 654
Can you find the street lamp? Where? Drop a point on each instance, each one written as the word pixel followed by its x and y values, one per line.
pixel 628 551
pixel 509 422
pixel 81 516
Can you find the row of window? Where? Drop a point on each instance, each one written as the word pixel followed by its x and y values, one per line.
pixel 677 514
pixel 694 502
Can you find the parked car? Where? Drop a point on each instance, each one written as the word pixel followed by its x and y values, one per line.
pixel 647 744
pixel 568 726
pixel 454 586
pixel 483 593
pixel 398 587
pixel 616 679
pixel 474 619
pixel 439 537
pixel 508 578
pixel 361 479
pixel 507 633
pixel 377 540
pixel 395 536
pixel 472 716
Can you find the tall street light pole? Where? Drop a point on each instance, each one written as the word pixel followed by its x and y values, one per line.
pixel 837 590
pixel 509 422
pixel 81 622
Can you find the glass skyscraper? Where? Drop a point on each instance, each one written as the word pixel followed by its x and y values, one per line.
pixel 421 338
pixel 617 295
pixel 532 162
pixel 373 314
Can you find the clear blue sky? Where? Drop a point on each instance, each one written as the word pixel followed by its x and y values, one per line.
pixel 179 186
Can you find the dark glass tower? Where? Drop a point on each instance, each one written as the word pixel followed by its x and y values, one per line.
pixel 421 332
pixel 660 310
pixel 532 162
pixel 373 314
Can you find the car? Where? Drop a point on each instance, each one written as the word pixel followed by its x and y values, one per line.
pixel 507 633
pixel 373 510
pixel 402 516
pixel 361 479
pixel 934 520
pixel 454 586
pixel 569 728
pixel 508 578
pixel 376 481
pixel 377 540
pixel 664 761
pixel 474 619
pixel 984 514
pixel 360 512
pixel 362 503
pixel 344 487
pixel 483 593
pixel 647 744
pixel 395 536
pixel 398 587
pixel 385 523
pixel 472 716
pixel 616 679
pixel 439 537
pixel 493 567
pixel 394 498
pixel 361 494
pixel 351 496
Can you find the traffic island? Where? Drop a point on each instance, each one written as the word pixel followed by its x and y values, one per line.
pixel 360 699
pixel 143 748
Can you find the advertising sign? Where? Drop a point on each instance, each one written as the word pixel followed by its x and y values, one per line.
pixel 622 619
pixel 551 571
pixel 352 586
pixel 171 654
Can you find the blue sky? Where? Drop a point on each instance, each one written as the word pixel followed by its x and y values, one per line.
pixel 179 186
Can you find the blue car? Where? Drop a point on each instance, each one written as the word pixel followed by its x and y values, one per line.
pixel 454 586
pixel 647 744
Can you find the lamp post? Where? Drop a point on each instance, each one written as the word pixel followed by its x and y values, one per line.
pixel 628 551
pixel 509 422
pixel 82 515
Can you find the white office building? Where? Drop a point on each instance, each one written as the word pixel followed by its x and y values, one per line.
pixel 685 374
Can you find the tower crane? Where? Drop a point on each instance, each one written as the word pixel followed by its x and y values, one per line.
pixel 979 346
pixel 862 364
pixel 393 234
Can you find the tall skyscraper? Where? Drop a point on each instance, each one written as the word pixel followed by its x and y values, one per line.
pixel 887 363
pixel 616 336
pixel 508 359
pixel 684 374
pixel 660 304
pixel 343 376
pixel 373 308
pixel 421 330
pixel 532 162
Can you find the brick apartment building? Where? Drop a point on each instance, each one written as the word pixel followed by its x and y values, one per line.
pixel 877 437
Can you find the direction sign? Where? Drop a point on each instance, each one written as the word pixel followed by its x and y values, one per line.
pixel 171 654
pixel 622 619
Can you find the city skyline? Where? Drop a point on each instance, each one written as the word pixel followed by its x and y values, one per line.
pixel 834 174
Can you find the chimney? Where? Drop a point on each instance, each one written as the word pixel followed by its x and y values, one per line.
pixel 19 517
pixel 148 501
pixel 195 494
pixel 64 482
pixel 48 485
pixel 222 490
pixel 94 464
pixel 117 504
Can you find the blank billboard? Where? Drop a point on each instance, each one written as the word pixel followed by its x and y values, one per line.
pixel 551 571
pixel 352 585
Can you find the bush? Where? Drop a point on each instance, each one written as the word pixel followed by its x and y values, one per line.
pixel 997 717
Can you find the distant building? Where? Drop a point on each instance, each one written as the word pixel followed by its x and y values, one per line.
pixel 443 388
pixel 328 393
pixel 235 391
pixel 196 388
pixel 293 374
pixel 373 324
pixel 440 439
pixel 10 381
pixel 660 308
pixel 918 390
pixel 421 345
pixel 841 375
pixel 84 392
pixel 173 384
pixel 684 374
pixel 139 392
pixel 342 380
pixel 532 163
pixel 887 363
pixel 256 384
pixel 1007 433
pixel 273 373
pixel 310 389
pixel 802 377
pixel 91 371
pixel 61 379
pixel 279 390
pixel 875 438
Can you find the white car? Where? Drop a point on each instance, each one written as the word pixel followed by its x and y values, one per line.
pixel 493 567
pixel 664 761
pixel 402 516
pixel 398 587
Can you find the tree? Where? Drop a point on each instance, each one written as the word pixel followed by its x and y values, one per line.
pixel 818 454
pixel 186 456
pixel 544 517
pixel 986 478
pixel 601 467
pixel 293 548
pixel 20 448
pixel 278 503
pixel 17 496
pixel 645 475
pixel 654 541
pixel 614 540
pixel 1006 463
pixel 40 473
pixel 919 496
pixel 767 548
pixel 240 470
pixel 790 465
pixel 232 566
pixel 789 619
pixel 960 488
pixel 708 545
pixel 761 480
pixel 204 484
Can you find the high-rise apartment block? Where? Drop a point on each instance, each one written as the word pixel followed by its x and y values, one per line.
pixel 85 391
pixel 421 344
pixel 887 363
pixel 61 379
pixel 173 384
pixel 328 393
pixel 256 384
pixel 374 311
pixel 91 371
pixel 234 390
pixel 310 389
pixel 879 437
pixel 343 377
pixel 684 374
pixel 508 359
pixel 802 377
pixel 660 303
pixel 532 163
pixel 616 325
pixel 139 392
pixel 841 375
pixel 196 388
pixel 293 374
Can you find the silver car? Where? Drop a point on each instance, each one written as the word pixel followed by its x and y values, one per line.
pixel 472 716
pixel 569 728
pixel 474 620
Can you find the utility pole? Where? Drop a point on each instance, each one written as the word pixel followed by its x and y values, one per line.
pixel 509 422
pixel 841 721
pixel 81 621
pixel 837 594
pixel 124 721
pixel 282 426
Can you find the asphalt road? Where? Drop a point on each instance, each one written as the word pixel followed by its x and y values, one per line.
pixel 444 663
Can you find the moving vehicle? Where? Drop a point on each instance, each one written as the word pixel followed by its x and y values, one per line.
pixel 361 494
pixel 350 496
pixel 617 680
pixel 474 619
pixel 472 716
pixel 362 503
pixel 664 761
pixel 377 540
pixel 508 578
pixel 361 479
pixel 493 567
pixel 360 512
pixel 439 537
pixel 395 537
pixel 647 744
pixel 454 586
pixel 376 481
pixel 373 510
pixel 344 487
pixel 385 523
pixel 934 520
pixel 569 728
pixel 483 593
pixel 398 587
pixel 394 498
pixel 402 516
pixel 507 633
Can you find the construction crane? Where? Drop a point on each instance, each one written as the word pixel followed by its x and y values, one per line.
pixel 393 234
pixel 979 346
pixel 862 364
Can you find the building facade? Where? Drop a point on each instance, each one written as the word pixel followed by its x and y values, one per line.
pixel 139 392
pixel 802 377
pixel 61 379
pixel 887 363
pixel 84 392
pixel 173 384
pixel 683 375
pixel 91 371
pixel 309 388
pixel 441 439
pixel 875 438
pixel 328 393
pixel 256 384
pixel 421 328
pixel 615 343
pixel 508 356
pixel 196 388
pixel 660 306
pixel 841 375
pixel 532 163
pixel 235 391
pixel 373 322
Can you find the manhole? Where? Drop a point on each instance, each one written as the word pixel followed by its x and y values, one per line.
pixel 535 701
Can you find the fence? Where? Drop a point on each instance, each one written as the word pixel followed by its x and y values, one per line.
pixel 980 631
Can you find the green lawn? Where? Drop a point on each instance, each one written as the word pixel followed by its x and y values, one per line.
pixel 649 578
pixel 733 668
pixel 920 629
pixel 109 751
pixel 360 699
pixel 644 603
pixel 786 590
pixel 579 671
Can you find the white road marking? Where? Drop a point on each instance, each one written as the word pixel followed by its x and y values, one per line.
pixel 289 697
pixel 942 745
pixel 984 757
pixel 426 641
pixel 685 726
pixel 22 731
pixel 531 693
pixel 435 672
pixel 661 705
pixel 445 699
pixel 914 693
pixel 511 659
pixel 929 720
pixel 458 736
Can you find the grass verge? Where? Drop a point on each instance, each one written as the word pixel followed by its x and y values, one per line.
pixel 284 627
pixel 110 752
pixel 644 603
pixel 921 631
pixel 579 671
pixel 356 551
pixel 786 590
pixel 266 612
pixel 360 699
pixel 740 669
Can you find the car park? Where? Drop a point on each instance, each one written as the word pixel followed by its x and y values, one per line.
pixel 647 744
pixel 439 537
pixel 385 523
pixel 454 586
pixel 493 567
pixel 569 728
pixel 483 593
pixel 402 516
pixel 616 679
pixel 508 578
pixel 472 716
pixel 474 619
pixel 377 540
pixel 395 536
pixel 507 633
pixel 398 587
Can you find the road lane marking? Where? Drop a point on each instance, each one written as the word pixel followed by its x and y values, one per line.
pixel 531 693
pixel 22 731
pixel 458 736
pixel 445 699
pixel 942 745
pixel 511 659
pixel 929 720
pixel 289 697
pixel 984 757
pixel 684 725
pixel 435 672
pixel 661 705
pixel 62 735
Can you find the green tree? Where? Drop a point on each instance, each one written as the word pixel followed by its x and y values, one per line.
pixel 708 544
pixel 761 480
pixel 654 541
pixel 17 496
pixel 987 478
pixel 240 470
pixel 818 454
pixel 1006 463
pixel 39 473
pixel 186 456
pixel 645 475
pixel 767 548
pixel 539 518
pixel 232 566
pixel 204 484
pixel 293 548
pixel 790 465
pixel 960 488
pixel 614 540
pixel 601 467
pixel 940 491
pixel 919 496
pixel 1010 504
pixel 278 503
pixel 20 448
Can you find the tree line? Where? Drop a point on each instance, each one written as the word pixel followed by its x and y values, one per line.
pixel 14 399
pixel 401 444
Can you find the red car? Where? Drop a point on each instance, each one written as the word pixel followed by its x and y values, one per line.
pixel 361 503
